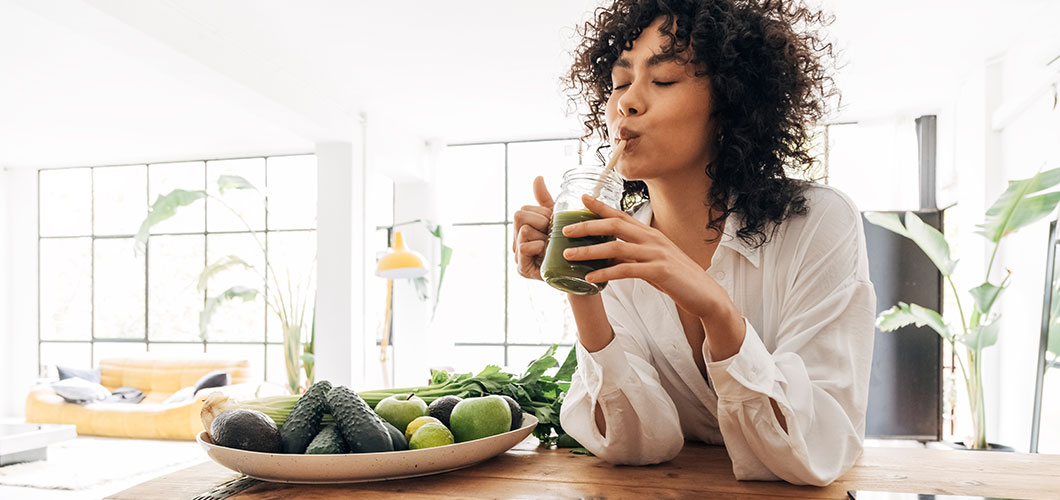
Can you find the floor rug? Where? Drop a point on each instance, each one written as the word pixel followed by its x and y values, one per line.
pixel 87 462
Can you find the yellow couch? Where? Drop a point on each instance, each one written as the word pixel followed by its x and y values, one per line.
pixel 158 377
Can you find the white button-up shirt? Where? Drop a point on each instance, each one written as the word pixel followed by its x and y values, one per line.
pixel 809 310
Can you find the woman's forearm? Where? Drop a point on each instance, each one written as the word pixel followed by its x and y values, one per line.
pixel 594 331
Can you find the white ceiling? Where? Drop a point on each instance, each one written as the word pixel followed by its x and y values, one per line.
pixel 88 82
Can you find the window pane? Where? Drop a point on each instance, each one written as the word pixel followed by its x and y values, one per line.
pixel 75 355
pixel 537 313
pixel 255 354
pixel 65 289
pixel 65 198
pixel 175 263
pixel 248 203
pixel 474 358
pixel 277 369
pixel 189 176
pixel 1049 432
pixel 119 289
pixel 234 319
pixel 471 308
pixel 380 204
pixel 469 181
pixel 107 350
pixel 176 350
pixel 292 256
pixel 292 192
pixel 549 159
pixel 119 197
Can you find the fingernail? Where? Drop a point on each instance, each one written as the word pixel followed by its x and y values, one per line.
pixel 565 230
pixel 568 252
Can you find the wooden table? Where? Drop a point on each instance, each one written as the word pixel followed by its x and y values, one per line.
pixel 700 471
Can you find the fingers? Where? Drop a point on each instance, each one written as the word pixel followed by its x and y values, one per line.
pixel 535 217
pixel 623 229
pixel 603 209
pixel 618 250
pixel 642 270
pixel 541 193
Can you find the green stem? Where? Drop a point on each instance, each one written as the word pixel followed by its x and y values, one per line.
pixel 957 297
pixel 991 264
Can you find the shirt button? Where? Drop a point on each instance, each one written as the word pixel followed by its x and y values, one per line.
pixel 721 275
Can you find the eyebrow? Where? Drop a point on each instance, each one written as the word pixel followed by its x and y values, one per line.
pixel 654 60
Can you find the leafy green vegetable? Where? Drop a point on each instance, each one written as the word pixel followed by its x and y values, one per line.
pixel 538 394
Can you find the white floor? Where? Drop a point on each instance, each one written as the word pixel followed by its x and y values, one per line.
pixel 102 490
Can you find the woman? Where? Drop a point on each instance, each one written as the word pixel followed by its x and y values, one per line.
pixel 739 309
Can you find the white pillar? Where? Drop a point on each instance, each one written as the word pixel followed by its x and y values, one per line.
pixel 19 338
pixel 340 258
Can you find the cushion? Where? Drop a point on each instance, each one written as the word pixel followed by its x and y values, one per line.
pixel 88 374
pixel 80 391
pixel 128 395
pixel 216 378
pixel 181 395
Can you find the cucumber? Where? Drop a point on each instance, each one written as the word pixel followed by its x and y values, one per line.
pixel 303 424
pixel 328 441
pixel 362 429
pixel 397 437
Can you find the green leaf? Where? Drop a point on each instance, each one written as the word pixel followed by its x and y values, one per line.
pixel 1053 344
pixel 539 366
pixel 226 182
pixel 932 242
pixel 985 295
pixel 421 287
pixel 566 370
pixel 237 292
pixel 888 221
pixel 447 255
pixel 164 207
pixel 905 314
pixel 1016 208
pixel 981 336
pixel 221 264
pixel 929 239
pixel 308 357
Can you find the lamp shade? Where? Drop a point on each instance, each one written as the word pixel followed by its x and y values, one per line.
pixel 400 262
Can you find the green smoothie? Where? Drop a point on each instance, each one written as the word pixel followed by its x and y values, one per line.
pixel 565 275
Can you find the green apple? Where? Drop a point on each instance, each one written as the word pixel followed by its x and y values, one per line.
pixel 430 435
pixel 476 418
pixel 400 409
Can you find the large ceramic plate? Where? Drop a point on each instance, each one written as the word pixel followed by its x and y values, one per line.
pixel 361 467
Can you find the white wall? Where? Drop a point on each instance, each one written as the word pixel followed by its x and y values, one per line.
pixel 19 339
pixel 5 334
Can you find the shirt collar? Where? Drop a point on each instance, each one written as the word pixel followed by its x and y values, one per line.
pixel 729 239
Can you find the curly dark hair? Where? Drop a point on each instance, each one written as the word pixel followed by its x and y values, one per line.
pixel 769 67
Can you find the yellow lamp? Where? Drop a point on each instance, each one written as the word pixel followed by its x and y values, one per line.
pixel 400 262
pixel 397 263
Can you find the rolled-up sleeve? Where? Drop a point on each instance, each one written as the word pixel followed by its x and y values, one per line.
pixel 818 374
pixel 641 421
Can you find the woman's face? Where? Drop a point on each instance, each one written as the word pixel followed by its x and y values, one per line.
pixel 661 108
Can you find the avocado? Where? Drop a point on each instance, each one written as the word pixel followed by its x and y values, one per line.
pixel 397 437
pixel 303 424
pixel 442 407
pixel 362 429
pixel 244 429
pixel 328 441
pixel 517 412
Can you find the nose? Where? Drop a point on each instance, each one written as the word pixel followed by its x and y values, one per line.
pixel 631 102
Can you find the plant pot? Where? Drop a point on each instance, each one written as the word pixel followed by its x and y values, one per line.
pixel 959 445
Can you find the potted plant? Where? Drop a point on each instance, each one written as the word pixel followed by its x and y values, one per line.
pixel 1023 202
pixel 289 302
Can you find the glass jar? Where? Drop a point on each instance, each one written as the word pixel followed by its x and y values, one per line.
pixel 557 271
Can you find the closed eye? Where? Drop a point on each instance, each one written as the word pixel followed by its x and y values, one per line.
pixel 664 84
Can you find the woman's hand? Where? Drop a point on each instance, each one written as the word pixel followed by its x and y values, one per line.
pixel 531 232
pixel 644 252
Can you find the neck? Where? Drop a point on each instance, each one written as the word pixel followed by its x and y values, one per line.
pixel 679 211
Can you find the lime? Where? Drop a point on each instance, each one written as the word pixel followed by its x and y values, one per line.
pixel 429 435
pixel 415 424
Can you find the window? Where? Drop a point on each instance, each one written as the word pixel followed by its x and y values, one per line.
pixel 100 298
pixel 486 308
